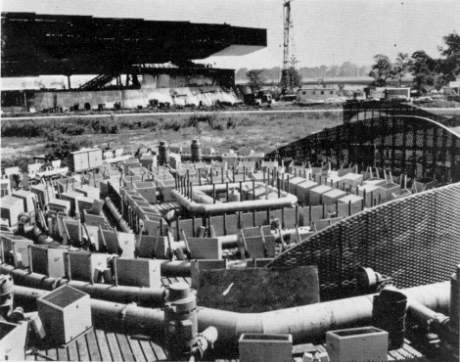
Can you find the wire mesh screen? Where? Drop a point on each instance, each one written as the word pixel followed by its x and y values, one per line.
pixel 415 240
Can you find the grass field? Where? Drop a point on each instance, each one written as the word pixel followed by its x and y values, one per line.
pixel 261 132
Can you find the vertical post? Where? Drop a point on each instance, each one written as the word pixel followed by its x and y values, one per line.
pixel 224 221
pixel 226 191
pixel 213 193
pixel 69 269
pixel 115 270
pixel 253 189
pixel 222 174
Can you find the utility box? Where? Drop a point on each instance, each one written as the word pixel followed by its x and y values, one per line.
pixel 361 344
pixel 83 264
pixel 86 158
pixel 303 190
pixel 58 205
pixel 139 272
pixel 16 249
pixel 265 347
pixel 48 261
pixel 65 314
pixel 13 339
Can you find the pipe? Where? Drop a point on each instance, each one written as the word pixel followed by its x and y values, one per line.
pixel 121 293
pixel 287 200
pixel 116 215
pixel 305 323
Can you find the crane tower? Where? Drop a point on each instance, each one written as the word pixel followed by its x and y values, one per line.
pixel 286 82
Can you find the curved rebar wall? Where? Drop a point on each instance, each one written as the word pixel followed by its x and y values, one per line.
pixel 415 240
pixel 396 137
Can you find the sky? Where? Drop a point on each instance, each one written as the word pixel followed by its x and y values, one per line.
pixel 325 31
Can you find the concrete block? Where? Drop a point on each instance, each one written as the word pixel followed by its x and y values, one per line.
pixel 16 249
pixel 75 231
pixel 261 218
pixel 88 191
pixel 361 344
pixel 96 220
pixel 93 232
pixel 83 264
pixel 149 193
pixel 65 313
pixel 218 224
pixel 13 339
pixel 255 246
pixel 205 248
pixel 290 217
pixel 302 191
pixel 371 194
pixel 232 223
pixel 127 244
pixel 353 204
pixel 316 194
pixel 389 189
pixel 265 347
pixel 187 226
pixel 332 196
pixel 139 272
pixel 352 179
pixel 27 198
pixel 63 206
pixel 246 220
pixel 48 261
pixel 111 239
pixel 10 209
pixel 316 212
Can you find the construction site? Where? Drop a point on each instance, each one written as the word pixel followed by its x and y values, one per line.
pixel 340 246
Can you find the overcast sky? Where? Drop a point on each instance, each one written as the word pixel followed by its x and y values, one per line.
pixel 325 31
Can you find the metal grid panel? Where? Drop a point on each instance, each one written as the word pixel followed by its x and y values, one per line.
pixel 415 240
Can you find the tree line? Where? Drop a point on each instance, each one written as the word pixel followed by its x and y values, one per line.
pixel 427 72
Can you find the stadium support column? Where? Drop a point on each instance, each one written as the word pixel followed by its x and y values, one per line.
pixel 69 83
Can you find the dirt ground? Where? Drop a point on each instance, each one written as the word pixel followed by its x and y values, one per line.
pixel 260 132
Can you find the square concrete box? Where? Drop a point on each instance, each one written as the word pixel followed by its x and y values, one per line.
pixel 10 208
pixel 139 272
pixel 59 205
pixel 352 179
pixel 354 202
pixel 389 189
pixel 83 264
pixel 27 198
pixel 16 249
pixel 371 194
pixel 13 339
pixel 316 194
pixel 48 261
pixel 265 347
pixel 292 183
pixel 302 190
pixel 205 248
pixel 361 344
pixel 332 196
pixel 65 313
pixel 43 193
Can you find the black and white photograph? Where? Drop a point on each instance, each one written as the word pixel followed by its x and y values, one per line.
pixel 230 180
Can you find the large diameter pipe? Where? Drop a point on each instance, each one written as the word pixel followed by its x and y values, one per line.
pixel 219 208
pixel 117 216
pixel 311 321
pixel 121 293
pixel 305 323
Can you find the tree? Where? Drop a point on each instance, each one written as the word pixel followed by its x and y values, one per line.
pixel 401 67
pixel 381 71
pixel 450 65
pixel 255 77
pixel 425 71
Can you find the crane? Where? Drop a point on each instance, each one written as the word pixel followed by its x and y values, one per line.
pixel 286 81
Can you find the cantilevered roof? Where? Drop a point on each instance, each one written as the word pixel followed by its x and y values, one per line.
pixel 34 44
